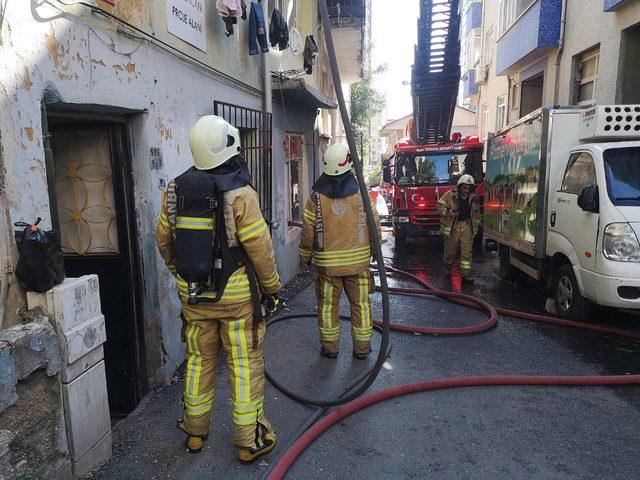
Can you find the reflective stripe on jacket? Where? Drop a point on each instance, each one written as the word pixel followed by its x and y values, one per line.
pixel 336 235
pixel 449 203
pixel 245 226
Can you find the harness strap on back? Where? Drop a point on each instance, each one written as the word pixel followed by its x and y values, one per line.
pixel 255 300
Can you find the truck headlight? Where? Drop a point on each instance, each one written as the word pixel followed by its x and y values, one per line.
pixel 620 243
pixel 402 219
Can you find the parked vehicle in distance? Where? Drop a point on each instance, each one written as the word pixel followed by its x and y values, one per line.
pixel 379 201
pixel 562 200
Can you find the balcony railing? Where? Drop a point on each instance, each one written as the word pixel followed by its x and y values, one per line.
pixel 348 21
pixel 347 8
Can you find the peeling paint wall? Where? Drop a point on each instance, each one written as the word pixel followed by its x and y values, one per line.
pixel 43 51
pixel 82 58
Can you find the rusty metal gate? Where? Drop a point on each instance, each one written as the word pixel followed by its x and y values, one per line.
pixel 255 136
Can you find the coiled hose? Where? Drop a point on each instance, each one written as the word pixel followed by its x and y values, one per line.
pixel 314 428
pixel 367 381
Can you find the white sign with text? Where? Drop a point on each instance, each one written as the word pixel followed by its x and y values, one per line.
pixel 186 20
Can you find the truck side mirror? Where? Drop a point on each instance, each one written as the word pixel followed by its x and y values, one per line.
pixel 386 171
pixel 588 198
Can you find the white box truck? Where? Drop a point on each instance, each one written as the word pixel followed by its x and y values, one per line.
pixel 562 200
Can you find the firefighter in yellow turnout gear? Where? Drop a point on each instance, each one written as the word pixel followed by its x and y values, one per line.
pixel 228 323
pixel 336 236
pixel 460 221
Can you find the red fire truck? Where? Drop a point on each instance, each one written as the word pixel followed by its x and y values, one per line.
pixel 421 174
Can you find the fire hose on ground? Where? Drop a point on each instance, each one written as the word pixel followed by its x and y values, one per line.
pixel 317 424
pixel 348 398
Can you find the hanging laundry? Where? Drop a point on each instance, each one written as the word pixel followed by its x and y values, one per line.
pixel 229 10
pixel 295 41
pixel 278 30
pixel 243 4
pixel 257 30
pixel 232 8
pixel 229 22
pixel 310 53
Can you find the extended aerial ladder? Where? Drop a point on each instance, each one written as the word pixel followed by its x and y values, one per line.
pixel 435 73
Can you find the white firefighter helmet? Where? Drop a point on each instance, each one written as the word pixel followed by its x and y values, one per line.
pixel 466 180
pixel 213 141
pixel 337 160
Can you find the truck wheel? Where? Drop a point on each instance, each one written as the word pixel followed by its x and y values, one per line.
pixel 569 302
pixel 507 271
pixel 400 235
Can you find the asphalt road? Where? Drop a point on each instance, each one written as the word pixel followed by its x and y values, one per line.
pixel 472 433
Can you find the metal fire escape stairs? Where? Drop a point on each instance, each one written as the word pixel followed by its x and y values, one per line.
pixel 435 74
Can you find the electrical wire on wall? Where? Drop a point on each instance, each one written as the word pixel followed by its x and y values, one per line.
pixel 153 40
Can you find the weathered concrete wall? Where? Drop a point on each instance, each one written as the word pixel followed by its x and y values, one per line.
pixel 33 440
pixel 46 51
pixel 83 58
pixel 587 26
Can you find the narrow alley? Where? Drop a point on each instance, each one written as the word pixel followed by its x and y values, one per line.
pixel 319 239
pixel 488 432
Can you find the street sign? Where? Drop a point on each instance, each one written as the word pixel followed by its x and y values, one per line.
pixel 186 20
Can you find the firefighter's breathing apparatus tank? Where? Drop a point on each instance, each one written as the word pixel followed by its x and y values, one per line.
pixel 203 257
pixel 196 205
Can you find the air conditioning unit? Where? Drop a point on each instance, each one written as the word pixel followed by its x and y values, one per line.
pixel 482 72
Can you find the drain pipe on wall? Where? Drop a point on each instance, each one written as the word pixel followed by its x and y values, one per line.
pixel 267 106
pixel 6 267
pixel 563 24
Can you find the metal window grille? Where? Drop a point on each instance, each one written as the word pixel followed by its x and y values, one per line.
pixel 255 135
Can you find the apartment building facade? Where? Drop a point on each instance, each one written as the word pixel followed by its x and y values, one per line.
pixel 96 102
pixel 555 52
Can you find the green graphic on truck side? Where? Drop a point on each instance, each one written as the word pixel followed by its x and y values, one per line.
pixel 513 174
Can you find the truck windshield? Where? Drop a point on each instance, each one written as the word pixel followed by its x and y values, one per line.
pixel 435 169
pixel 622 167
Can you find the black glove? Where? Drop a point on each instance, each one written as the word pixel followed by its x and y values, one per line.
pixel 270 303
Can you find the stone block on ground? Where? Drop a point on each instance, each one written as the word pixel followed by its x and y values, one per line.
pixel 84 338
pixel 8 377
pixel 73 370
pixel 33 346
pixel 70 304
pixel 86 410
pixel 95 456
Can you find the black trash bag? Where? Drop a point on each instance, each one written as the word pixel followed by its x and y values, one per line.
pixel 40 265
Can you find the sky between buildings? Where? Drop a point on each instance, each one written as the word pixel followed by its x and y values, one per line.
pixel 394 33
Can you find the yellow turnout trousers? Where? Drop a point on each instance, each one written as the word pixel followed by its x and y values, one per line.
pixel 206 332
pixel 461 237
pixel 329 290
